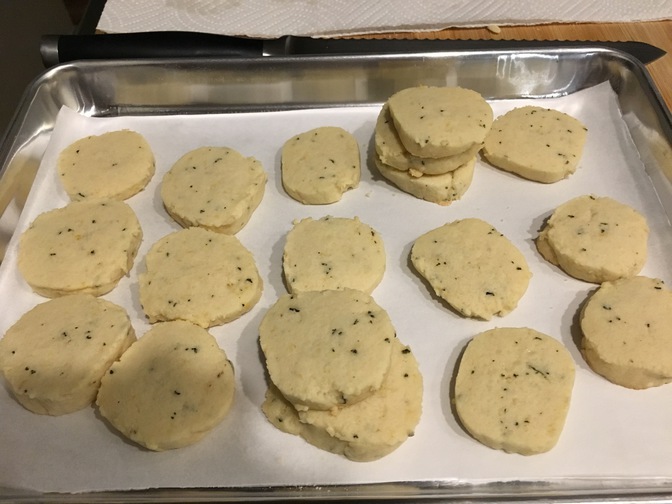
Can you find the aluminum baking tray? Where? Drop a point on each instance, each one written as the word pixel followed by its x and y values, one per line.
pixel 155 88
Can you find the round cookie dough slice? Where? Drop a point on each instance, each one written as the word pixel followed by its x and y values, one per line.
pixel 391 152
pixel 538 144
pixel 513 389
pixel 440 189
pixel 55 355
pixel 326 349
pixel 595 239
pixel 318 166
pixel 215 188
pixel 115 165
pixel 84 247
pixel 473 267
pixel 435 122
pixel 170 388
pixel 200 276
pixel 626 332
pixel 333 253
pixel 367 430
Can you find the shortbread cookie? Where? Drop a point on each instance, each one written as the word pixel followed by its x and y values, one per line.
pixel 84 247
pixel 318 166
pixel 326 349
pixel 539 144
pixel 391 152
pixel 367 430
pixel 440 189
pixel 473 267
pixel 215 188
pixel 54 356
pixel 201 276
pixel 435 122
pixel 333 253
pixel 111 166
pixel 626 332
pixel 595 239
pixel 170 388
pixel 513 389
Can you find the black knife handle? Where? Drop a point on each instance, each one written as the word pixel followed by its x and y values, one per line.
pixel 62 48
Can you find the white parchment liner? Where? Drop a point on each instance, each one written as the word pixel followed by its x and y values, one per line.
pixel 611 432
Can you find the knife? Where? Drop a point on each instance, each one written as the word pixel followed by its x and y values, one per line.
pixel 56 49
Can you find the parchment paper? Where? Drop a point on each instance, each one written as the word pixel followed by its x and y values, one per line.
pixel 611 432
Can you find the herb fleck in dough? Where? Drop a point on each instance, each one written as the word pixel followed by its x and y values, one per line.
pixel 626 327
pixel 473 267
pixel 513 389
pixel 539 144
pixel 436 122
pixel 112 166
pixel 595 239
pixel 170 388
pixel 215 188
pixel 55 355
pixel 318 166
pixel 84 247
pixel 326 349
pixel 201 276
pixel 333 253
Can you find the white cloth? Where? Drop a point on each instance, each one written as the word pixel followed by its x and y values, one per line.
pixel 274 18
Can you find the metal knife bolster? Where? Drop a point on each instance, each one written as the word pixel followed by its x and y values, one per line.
pixel 60 49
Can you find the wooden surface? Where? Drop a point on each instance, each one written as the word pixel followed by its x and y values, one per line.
pixel 658 33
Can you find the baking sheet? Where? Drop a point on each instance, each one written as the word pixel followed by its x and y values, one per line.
pixel 611 432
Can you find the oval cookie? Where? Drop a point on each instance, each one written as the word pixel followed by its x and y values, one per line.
pixel 213 187
pixel 318 166
pixel 201 276
pixel 626 332
pixel 84 247
pixel 326 349
pixel 595 239
pixel 55 355
pixel 536 143
pixel 367 430
pixel 440 189
pixel 115 165
pixel 436 122
pixel 333 253
pixel 513 389
pixel 473 267
pixel 170 388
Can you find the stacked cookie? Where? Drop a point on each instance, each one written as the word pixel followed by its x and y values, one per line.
pixel 427 139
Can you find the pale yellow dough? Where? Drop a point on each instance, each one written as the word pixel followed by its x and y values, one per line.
pixel 440 189
pixel 84 247
pixel 200 276
pixel 213 187
pixel 367 430
pixel 115 165
pixel 320 165
pixel 325 349
pixel 333 253
pixel 170 388
pixel 626 332
pixel 55 355
pixel 473 267
pixel 536 143
pixel 513 389
pixel 435 122
pixel 391 152
pixel 595 239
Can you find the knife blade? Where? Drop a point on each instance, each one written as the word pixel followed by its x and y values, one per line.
pixel 57 49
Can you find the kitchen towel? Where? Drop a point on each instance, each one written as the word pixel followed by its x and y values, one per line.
pixel 324 18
